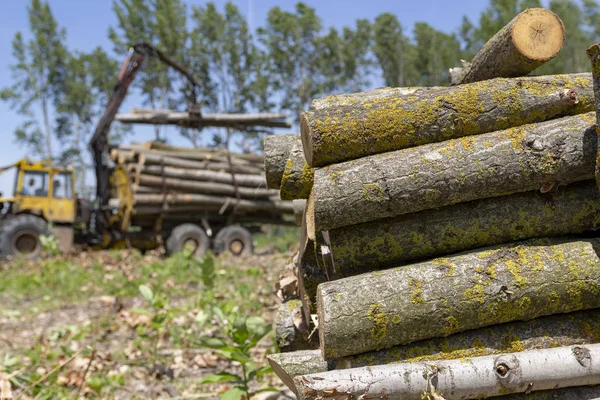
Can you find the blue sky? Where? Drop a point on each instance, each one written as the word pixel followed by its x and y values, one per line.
pixel 87 22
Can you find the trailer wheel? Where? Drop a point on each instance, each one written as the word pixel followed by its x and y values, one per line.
pixel 188 235
pixel 20 236
pixel 235 240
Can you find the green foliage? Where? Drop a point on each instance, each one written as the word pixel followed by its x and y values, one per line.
pixel 242 335
pixel 49 245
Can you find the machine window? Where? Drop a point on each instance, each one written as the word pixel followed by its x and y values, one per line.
pixel 35 184
pixel 61 187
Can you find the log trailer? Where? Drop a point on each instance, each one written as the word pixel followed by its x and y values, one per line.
pixel 44 201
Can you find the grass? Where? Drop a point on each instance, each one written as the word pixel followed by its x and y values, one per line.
pixel 52 312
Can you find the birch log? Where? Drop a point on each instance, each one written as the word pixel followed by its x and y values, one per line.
pixel 471 378
pixel 532 38
pixel 249 180
pixel 532 157
pixel 297 178
pixel 578 328
pixel 332 135
pixel 277 151
pixel 391 242
pixel 444 296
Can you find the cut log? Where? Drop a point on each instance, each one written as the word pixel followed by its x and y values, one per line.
pixel 299 207
pixel 444 296
pixel 277 150
pixel 360 98
pixel 248 180
pixel 336 134
pixel 297 179
pixel 576 328
pixel 532 38
pixel 187 120
pixel 531 157
pixel 391 242
pixel 206 200
pixel 156 159
pixel 478 377
pixel 594 55
pixel 187 152
pixel 291 331
pixel 190 186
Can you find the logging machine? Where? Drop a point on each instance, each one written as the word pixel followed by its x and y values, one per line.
pixel 44 201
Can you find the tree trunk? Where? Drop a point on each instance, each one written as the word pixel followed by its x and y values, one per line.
pixel 249 180
pixel 190 186
pixel 576 328
pixel 291 330
pixel 594 55
pixel 332 135
pixel 48 129
pixel 532 38
pixel 277 150
pixel 205 200
pixel 155 159
pixel 297 179
pixel 391 242
pixel 471 378
pixel 361 98
pixel 531 157
pixel 467 291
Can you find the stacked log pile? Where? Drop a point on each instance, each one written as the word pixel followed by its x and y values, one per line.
pixel 189 184
pixel 449 245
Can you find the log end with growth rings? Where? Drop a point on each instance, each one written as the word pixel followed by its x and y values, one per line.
pixel 538 34
pixel 305 135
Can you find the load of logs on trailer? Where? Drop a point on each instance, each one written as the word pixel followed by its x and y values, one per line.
pixel 449 245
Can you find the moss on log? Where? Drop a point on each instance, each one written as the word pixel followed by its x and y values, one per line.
pixel 467 291
pixel 334 134
pixel 291 331
pixel 532 38
pixel 277 149
pixel 531 157
pixel 297 179
pixel 582 327
pixel 386 243
pixel 360 98
pixel 594 55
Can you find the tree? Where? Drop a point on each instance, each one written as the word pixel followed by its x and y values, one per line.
pixel 392 50
pixel 291 42
pixel 163 24
pixel 38 72
pixel 437 52
pixel 356 56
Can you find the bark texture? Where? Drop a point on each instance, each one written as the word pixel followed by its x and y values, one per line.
pixel 297 179
pixel 248 180
pixel 277 150
pixel 444 296
pixel 359 98
pixel 291 331
pixel 339 133
pixel 471 378
pixel 532 38
pixel 302 362
pixel 391 242
pixel 594 55
pixel 531 157
pixel 191 186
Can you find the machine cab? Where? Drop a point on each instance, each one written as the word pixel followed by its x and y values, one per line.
pixel 43 190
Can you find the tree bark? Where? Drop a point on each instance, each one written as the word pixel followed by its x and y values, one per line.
pixel 297 178
pixel 277 150
pixel 190 186
pixel 532 38
pixel 449 295
pixel 486 376
pixel 291 330
pixel 156 159
pixel 299 207
pixel 391 242
pixel 536 156
pixel 361 98
pixel 336 134
pixel 249 180
pixel 594 55
pixel 206 200
pixel 576 328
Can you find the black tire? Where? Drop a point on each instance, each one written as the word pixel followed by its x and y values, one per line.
pixel 188 234
pixel 234 240
pixel 20 236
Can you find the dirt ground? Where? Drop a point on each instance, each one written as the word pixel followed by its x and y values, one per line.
pixel 83 326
